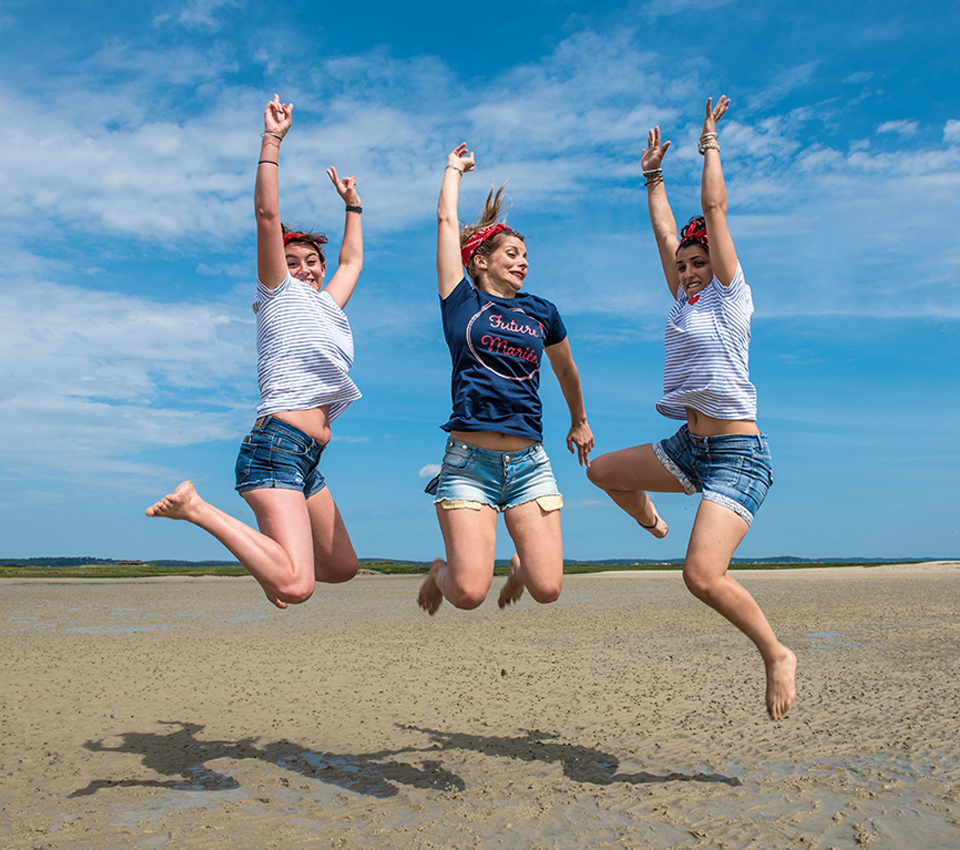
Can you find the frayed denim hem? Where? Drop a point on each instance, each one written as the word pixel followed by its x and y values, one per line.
pixel 727 502
pixel 674 470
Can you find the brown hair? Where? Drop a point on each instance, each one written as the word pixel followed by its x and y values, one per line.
pixel 489 217
pixel 299 237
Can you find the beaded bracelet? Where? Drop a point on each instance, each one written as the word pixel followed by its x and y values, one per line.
pixel 708 146
pixel 354 208
pixel 653 177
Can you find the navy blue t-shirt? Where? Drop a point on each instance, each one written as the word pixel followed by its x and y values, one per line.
pixel 496 345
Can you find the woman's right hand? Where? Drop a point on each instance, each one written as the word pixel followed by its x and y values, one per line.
pixel 461 159
pixel 277 117
pixel 652 156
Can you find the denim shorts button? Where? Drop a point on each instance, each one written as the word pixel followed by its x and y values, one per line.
pixel 506 457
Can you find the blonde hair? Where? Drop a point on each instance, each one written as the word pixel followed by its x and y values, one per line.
pixel 489 217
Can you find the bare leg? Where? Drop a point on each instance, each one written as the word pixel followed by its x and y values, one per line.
pixel 626 476
pixel 465 577
pixel 334 557
pixel 280 558
pixel 717 531
pixel 536 534
pixel 512 590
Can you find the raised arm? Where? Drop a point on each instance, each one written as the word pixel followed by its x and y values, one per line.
pixel 661 216
pixel 271 261
pixel 449 265
pixel 713 196
pixel 579 435
pixel 350 261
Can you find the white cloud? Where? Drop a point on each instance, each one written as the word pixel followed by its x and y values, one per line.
pixel 903 128
pixel 79 363
pixel 781 84
pixel 197 14
pixel 951 131
pixel 430 470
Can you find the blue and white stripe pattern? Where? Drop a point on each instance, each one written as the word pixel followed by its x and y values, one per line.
pixel 707 353
pixel 304 350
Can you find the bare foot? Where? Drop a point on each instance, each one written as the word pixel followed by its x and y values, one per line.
pixel 513 589
pixel 182 503
pixel 658 528
pixel 430 596
pixel 781 684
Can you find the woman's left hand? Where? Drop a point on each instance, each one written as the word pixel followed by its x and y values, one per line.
pixel 715 113
pixel 346 188
pixel 581 436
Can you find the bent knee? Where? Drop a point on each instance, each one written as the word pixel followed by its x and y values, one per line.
pixel 296 593
pixel 337 571
pixel 603 471
pixel 700 584
pixel 596 471
pixel 466 597
pixel 546 592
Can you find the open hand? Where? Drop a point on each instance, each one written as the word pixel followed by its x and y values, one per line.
pixel 715 113
pixel 652 156
pixel 461 158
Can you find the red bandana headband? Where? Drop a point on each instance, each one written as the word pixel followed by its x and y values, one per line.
pixel 478 238
pixel 693 231
pixel 290 237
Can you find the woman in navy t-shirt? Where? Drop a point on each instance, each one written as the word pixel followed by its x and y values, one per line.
pixel 494 461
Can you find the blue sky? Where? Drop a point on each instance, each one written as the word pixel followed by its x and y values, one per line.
pixel 127 358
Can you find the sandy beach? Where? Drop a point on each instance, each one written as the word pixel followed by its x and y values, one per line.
pixel 188 713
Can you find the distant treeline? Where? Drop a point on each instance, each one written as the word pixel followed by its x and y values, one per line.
pixel 88 560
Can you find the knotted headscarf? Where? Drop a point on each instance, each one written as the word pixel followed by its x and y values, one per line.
pixel 695 230
pixel 303 237
pixel 469 247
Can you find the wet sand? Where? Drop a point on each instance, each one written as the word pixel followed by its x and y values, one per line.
pixel 188 713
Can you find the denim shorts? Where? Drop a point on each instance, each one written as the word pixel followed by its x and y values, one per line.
pixel 471 477
pixel 276 455
pixel 733 470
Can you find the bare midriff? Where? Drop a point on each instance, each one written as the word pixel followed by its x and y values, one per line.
pixel 702 425
pixel 314 422
pixel 492 440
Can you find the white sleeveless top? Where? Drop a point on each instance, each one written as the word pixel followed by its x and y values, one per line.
pixel 304 350
pixel 707 342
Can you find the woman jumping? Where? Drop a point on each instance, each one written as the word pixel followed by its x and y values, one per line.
pixel 719 452
pixel 304 350
pixel 494 461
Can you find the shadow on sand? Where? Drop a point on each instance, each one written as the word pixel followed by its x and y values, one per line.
pixel 579 763
pixel 182 757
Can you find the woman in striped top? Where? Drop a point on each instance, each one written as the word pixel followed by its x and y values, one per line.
pixel 304 348
pixel 719 451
